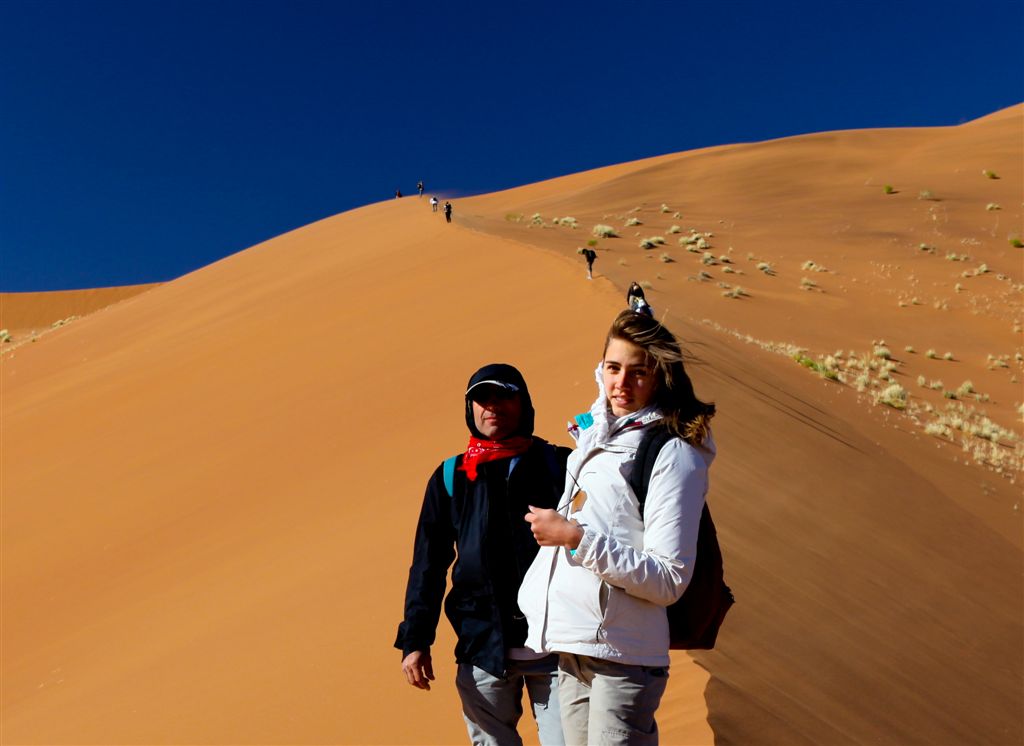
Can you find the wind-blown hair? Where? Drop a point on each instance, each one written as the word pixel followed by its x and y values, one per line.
pixel 686 416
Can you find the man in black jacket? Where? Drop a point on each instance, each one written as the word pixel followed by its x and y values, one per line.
pixel 473 507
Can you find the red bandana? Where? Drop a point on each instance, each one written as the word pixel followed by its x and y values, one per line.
pixel 481 451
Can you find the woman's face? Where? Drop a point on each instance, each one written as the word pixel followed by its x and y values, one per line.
pixel 628 379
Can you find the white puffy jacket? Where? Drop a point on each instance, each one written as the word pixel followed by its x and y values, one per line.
pixel 607 600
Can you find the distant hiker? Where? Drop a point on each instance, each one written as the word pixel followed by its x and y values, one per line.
pixel 419 187
pixel 398 194
pixel 471 514
pixel 433 204
pixel 637 302
pixel 448 211
pixel 590 255
pixel 608 565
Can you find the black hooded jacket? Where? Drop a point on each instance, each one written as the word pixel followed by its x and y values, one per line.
pixel 482 525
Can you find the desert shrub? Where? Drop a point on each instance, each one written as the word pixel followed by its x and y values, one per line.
pixel 930 354
pixel 536 219
pixel 948 356
pixel 592 243
pixel 991 206
pixel 514 217
pixel 604 231
pixel 927 247
pixel 736 292
pixel 888 189
pixel 965 389
pixel 827 367
pixel 708 259
pixel 893 395
pixel 882 351
pixel 674 229
pixel 666 258
pixel 909 348
pixel 989 174
pixel 766 267
pixel 926 195
pixel 633 221
pixel 1016 243
pixel 806 283
pixel 645 284
pixel 665 208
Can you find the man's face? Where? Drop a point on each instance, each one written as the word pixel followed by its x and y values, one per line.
pixel 496 411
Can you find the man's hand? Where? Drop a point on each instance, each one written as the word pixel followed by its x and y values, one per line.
pixel 551 529
pixel 418 669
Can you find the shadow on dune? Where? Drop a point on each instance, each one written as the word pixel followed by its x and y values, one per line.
pixel 870 606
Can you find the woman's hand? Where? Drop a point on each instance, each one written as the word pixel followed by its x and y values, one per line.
pixel 551 529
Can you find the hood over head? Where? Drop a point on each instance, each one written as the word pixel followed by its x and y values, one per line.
pixel 508 377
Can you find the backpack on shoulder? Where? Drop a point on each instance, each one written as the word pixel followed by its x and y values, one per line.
pixel 694 619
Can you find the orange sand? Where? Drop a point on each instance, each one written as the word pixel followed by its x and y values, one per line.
pixel 209 489
pixel 23 314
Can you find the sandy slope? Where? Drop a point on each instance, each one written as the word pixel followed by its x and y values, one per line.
pixel 209 489
pixel 25 314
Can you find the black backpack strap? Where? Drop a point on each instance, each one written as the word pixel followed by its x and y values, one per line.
pixel 643 463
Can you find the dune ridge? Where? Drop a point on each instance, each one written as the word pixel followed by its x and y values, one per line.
pixel 27 314
pixel 209 490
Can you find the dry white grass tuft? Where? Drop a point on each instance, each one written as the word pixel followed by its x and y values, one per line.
pixel 893 395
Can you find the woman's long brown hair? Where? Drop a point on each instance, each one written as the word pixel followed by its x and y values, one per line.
pixel 686 416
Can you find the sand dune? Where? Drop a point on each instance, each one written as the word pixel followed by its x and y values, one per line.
pixel 209 489
pixel 25 314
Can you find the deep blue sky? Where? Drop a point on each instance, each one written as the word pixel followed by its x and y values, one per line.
pixel 142 139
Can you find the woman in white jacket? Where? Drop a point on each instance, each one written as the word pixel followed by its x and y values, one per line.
pixel 597 591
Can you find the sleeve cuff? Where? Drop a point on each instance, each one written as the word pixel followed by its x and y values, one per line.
pixel 580 553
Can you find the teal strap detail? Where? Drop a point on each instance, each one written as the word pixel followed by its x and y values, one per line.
pixel 584 420
pixel 449 474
